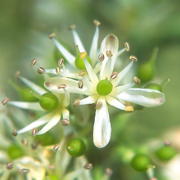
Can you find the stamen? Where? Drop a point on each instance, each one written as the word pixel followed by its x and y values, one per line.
pixel 60 62
pixel 34 132
pixel 61 86
pixel 52 35
pixel 14 133
pixel 114 75
pixel 126 46
pixel 56 147
pixel 65 122
pixel 24 142
pixel 83 55
pixel 5 101
pixel 47 84
pixel 72 26
pixel 82 73
pixel 136 80
pixel 34 61
pixel 76 102
pixel 101 57
pixel 34 146
pixel 133 58
pixel 129 108
pixel 41 70
pixel 58 70
pixel 88 166
pixel 109 53
pixel 108 171
pixel 9 165
pixel 96 22
pixel 98 105
pixel 24 171
pixel 80 84
pixel 17 74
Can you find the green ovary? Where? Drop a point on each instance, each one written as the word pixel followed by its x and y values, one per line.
pixel 104 87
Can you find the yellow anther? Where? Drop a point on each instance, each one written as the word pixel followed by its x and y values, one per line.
pixel 129 108
pixel 83 55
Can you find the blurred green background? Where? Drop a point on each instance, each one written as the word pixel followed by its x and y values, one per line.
pixel 25 25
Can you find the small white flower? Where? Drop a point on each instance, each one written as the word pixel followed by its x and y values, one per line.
pixel 105 87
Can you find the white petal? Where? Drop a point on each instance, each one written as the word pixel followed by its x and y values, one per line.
pixel 36 123
pixel 33 86
pixel 121 88
pixel 114 102
pixel 26 105
pixel 123 73
pixel 102 126
pixel 94 45
pixel 90 71
pixel 53 121
pixel 87 100
pixel 66 114
pixel 67 55
pixel 143 97
pixel 78 41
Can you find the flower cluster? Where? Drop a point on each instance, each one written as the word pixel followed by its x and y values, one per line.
pixel 96 76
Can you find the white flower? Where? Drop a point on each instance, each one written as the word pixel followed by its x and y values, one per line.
pixel 50 119
pixel 102 86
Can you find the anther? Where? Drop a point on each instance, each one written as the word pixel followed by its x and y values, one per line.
pixel 80 84
pixel 24 142
pixel 61 86
pixel 76 102
pixel 5 101
pixel 82 73
pixel 167 143
pixel 126 46
pixel 58 70
pixel 52 35
pixel 47 84
pixel 60 62
pixel 109 53
pixel 129 108
pixel 56 147
pixel 108 171
pixel 24 171
pixel 72 26
pixel 101 57
pixel 83 55
pixel 9 165
pixel 34 131
pixel 98 105
pixel 34 146
pixel 88 166
pixel 136 80
pixel 65 122
pixel 14 133
pixel 133 58
pixel 114 75
pixel 41 70
pixel 96 22
pixel 34 61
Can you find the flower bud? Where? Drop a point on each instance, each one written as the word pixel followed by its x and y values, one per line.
pixel 76 147
pixel 146 71
pixel 140 162
pixel 165 153
pixel 48 101
pixel 14 151
pixel 28 95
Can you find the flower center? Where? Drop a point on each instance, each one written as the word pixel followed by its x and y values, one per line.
pixel 104 87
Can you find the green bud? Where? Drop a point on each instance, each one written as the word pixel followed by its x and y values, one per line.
pixel 146 71
pixel 104 87
pixel 165 153
pixel 154 86
pixel 28 95
pixel 141 162
pixel 76 147
pixel 79 61
pixel 47 139
pixel 48 101
pixel 14 151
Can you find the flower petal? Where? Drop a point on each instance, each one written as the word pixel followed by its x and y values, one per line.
pixel 32 85
pixel 67 55
pixel 26 105
pixel 114 102
pixel 143 97
pixel 53 121
pixel 87 100
pixel 102 126
pixel 36 123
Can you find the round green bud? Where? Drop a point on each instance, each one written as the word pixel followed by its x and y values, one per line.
pixel 28 95
pixel 146 72
pixel 154 86
pixel 165 153
pixel 104 87
pixel 141 162
pixel 14 151
pixel 76 147
pixel 48 101
pixel 79 61
pixel 47 139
